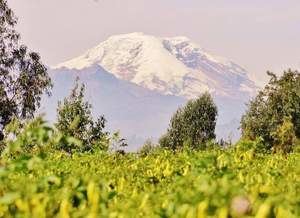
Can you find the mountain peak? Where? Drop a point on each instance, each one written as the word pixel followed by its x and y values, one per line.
pixel 172 66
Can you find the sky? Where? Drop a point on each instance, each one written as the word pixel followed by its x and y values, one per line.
pixel 258 35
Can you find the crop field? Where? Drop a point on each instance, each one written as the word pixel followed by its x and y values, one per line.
pixel 213 183
pixel 149 126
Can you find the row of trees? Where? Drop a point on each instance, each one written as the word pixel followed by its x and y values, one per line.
pixel 273 117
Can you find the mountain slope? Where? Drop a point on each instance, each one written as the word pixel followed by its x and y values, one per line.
pixel 138 81
pixel 174 66
pixel 137 112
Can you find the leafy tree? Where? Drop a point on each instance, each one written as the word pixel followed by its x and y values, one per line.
pixel 75 119
pixel 193 124
pixel 23 78
pixel 276 107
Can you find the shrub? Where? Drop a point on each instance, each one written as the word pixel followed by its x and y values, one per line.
pixel 192 125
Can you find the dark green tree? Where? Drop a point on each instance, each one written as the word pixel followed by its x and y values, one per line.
pixel 75 119
pixel 23 78
pixel 192 125
pixel 274 110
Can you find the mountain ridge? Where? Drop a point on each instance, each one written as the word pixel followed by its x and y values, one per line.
pixel 138 81
pixel 175 66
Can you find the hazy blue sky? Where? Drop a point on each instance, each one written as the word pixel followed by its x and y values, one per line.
pixel 260 35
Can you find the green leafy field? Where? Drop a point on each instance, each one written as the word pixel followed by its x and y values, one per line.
pixel 210 183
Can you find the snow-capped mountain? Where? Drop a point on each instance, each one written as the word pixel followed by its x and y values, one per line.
pixel 172 66
pixel 138 81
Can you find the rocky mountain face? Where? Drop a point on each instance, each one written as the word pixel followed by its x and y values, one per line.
pixel 138 81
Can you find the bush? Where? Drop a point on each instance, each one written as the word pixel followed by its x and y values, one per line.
pixel 267 113
pixel 192 125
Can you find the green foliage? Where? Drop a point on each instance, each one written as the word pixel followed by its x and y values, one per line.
pixel 284 136
pixel 39 181
pixel 256 145
pixel 266 114
pixel 23 78
pixel 296 147
pixel 75 120
pixel 32 137
pixel 189 183
pixel 24 138
pixel 192 125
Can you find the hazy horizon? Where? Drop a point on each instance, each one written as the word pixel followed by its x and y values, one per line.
pixel 257 35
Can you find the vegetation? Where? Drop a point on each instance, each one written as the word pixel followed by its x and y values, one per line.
pixel 63 174
pixel 76 169
pixel 75 120
pixel 274 115
pixel 234 182
pixel 23 78
pixel 192 125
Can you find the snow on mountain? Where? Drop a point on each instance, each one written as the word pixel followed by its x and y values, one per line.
pixel 172 66
pixel 138 81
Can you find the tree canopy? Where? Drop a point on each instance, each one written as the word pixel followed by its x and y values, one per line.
pixel 275 110
pixel 193 125
pixel 75 118
pixel 23 78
